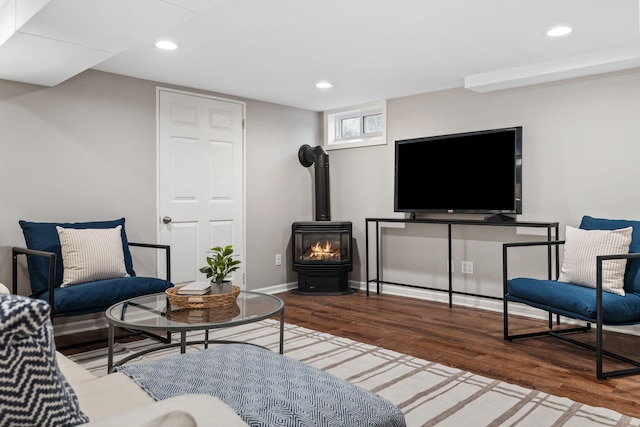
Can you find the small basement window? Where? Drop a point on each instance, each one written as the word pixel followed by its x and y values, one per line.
pixel 358 126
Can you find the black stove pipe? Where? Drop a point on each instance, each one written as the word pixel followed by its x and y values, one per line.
pixel 318 156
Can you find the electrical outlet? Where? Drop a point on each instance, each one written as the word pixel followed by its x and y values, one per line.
pixel 278 259
pixel 467 267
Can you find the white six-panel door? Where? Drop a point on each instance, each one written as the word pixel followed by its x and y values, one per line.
pixel 200 178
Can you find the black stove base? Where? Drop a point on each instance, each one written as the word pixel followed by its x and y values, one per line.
pixel 330 283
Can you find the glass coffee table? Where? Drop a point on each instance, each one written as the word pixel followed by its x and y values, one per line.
pixel 154 313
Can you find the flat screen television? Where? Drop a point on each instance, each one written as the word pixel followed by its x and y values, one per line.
pixel 472 172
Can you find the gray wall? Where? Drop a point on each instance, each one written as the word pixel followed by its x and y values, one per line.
pixel 86 150
pixel 580 157
pixel 279 190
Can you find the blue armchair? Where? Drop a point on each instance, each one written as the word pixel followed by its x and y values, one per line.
pixel 46 267
pixel 607 252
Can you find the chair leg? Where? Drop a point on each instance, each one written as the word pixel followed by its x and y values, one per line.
pixel 598 349
pixel 505 315
pixel 130 333
pixel 599 346
pixel 508 337
pixel 601 352
pixel 97 341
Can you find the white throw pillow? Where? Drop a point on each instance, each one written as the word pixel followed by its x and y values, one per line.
pixel 90 254
pixel 581 249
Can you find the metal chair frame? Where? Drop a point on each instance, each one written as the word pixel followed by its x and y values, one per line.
pixel 563 332
pixel 17 251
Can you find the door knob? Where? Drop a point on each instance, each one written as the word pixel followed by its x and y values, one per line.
pixel 166 219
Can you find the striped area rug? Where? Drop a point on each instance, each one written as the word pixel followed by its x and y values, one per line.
pixel 429 394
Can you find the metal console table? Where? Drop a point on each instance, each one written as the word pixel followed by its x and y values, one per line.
pixel 552 234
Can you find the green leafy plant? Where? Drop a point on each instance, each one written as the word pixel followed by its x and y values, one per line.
pixel 220 264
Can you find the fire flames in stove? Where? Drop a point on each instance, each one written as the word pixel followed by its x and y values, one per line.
pixel 322 251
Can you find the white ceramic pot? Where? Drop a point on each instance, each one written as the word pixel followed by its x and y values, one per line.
pixel 223 288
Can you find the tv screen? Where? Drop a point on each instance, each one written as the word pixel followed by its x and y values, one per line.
pixel 473 172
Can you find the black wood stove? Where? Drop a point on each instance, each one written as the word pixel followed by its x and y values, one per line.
pixel 322 249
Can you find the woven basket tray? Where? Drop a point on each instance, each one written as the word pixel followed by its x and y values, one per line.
pixel 202 301
pixel 218 314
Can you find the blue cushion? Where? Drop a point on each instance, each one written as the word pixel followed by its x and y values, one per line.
pixel 94 297
pixel 34 391
pixel 43 236
pixel 632 272
pixel 574 301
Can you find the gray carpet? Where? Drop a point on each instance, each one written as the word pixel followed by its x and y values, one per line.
pixel 429 394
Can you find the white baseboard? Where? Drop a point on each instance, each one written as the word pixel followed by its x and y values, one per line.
pixel 76 324
pixel 428 295
pixel 484 304
pixel 278 288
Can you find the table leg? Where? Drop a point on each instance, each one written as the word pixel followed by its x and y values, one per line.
pixel 206 338
pixel 183 341
pixel 282 331
pixel 110 346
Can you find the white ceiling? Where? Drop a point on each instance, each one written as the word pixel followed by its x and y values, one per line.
pixel 276 50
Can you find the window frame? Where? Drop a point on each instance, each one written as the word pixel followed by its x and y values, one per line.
pixel 333 124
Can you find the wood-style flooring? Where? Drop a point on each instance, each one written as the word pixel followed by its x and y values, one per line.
pixel 469 339
pixel 472 340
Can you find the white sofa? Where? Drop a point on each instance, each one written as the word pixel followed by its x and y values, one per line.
pixel 115 400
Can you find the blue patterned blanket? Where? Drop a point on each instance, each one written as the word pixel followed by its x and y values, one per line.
pixel 265 388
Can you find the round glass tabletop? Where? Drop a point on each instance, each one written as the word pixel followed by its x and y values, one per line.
pixel 153 312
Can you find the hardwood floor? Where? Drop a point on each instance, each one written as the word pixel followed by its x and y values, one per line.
pixel 472 340
pixel 469 339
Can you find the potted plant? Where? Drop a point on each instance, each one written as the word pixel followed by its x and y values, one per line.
pixel 219 265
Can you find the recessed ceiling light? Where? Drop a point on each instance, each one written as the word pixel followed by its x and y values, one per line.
pixel 559 31
pixel 166 45
pixel 324 85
